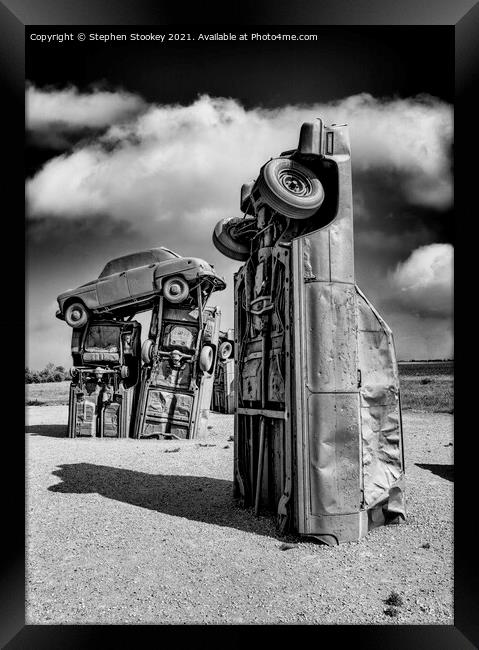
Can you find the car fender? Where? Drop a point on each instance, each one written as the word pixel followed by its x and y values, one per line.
pixel 88 296
pixel 188 268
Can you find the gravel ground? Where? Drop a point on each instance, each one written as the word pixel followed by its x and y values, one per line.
pixel 119 531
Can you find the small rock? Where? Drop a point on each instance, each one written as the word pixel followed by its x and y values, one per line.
pixel 172 451
pixel 206 444
pixel 286 547
pixel 230 439
pixel 226 447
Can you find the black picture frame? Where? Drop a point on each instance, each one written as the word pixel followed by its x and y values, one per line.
pixel 463 19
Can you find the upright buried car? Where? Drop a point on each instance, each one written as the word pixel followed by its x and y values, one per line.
pixel 178 372
pixel 129 284
pixel 318 432
pixel 106 357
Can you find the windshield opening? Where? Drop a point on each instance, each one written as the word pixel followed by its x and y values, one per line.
pixel 103 338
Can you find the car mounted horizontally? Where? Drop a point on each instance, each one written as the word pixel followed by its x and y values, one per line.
pixel 129 284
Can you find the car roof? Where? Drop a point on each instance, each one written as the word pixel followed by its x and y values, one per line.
pixel 163 248
pixel 133 260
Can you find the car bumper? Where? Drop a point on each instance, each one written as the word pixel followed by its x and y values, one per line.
pixel 217 281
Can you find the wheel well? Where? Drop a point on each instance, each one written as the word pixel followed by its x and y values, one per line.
pixel 70 301
pixel 160 281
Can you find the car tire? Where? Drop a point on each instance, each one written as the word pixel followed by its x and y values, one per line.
pixel 229 240
pixel 207 359
pixel 147 351
pixel 290 189
pixel 225 350
pixel 176 289
pixel 76 315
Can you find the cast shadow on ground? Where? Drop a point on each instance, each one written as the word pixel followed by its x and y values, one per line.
pixel 444 471
pixel 198 498
pixel 51 430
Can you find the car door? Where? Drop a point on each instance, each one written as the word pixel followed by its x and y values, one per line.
pixel 140 279
pixel 113 289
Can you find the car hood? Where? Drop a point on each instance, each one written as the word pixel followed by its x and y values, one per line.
pixel 79 289
pixel 207 268
pixel 188 263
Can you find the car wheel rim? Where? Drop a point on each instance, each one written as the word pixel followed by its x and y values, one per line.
pixel 295 182
pixel 76 315
pixel 175 289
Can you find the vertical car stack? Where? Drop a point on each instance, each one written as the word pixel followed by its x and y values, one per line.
pixel 318 434
pixel 114 394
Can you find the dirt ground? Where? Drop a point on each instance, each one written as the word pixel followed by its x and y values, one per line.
pixel 119 531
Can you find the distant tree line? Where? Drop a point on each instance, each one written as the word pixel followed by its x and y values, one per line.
pixel 51 372
pixel 424 360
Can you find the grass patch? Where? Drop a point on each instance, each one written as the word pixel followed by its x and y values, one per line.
pixel 417 369
pixel 436 396
pixel 427 386
pixel 424 387
pixel 48 394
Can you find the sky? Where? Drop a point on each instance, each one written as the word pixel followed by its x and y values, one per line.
pixel 133 145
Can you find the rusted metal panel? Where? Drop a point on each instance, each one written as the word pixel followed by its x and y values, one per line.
pixel 341 247
pixel 251 379
pixel 167 413
pixel 316 262
pixel 334 454
pixel 341 229
pixel 111 420
pixel 175 393
pixel 83 409
pixel 223 387
pixel 330 332
pixel 99 404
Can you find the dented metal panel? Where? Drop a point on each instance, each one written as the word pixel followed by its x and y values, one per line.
pixel 381 429
pixel 334 453
pixel 331 357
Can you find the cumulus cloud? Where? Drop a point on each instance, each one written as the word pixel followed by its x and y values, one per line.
pixel 424 282
pixel 164 174
pixel 188 162
pixel 54 112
